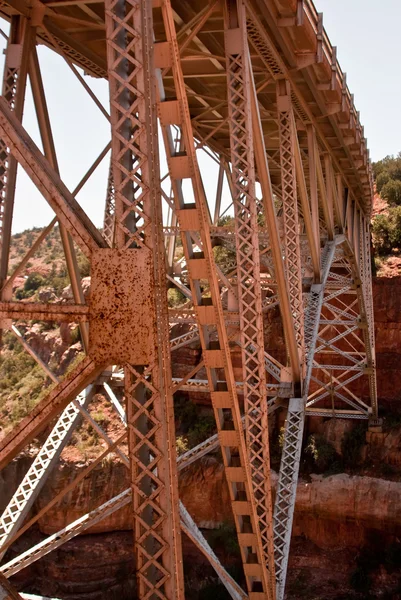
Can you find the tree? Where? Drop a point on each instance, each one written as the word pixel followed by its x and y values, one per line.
pixel 391 191
pixel 387 173
pixel 33 282
pixel 386 231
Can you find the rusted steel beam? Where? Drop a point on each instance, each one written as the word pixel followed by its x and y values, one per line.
pixel 311 231
pixel 48 408
pixel 20 43
pixel 68 488
pixel 35 311
pixel 271 223
pixel 138 237
pixel 7 591
pixel 292 241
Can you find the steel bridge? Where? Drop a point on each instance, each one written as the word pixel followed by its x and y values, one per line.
pixel 255 86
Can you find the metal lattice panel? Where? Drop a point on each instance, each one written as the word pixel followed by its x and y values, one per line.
pixel 109 211
pixel 135 172
pixel 290 208
pixel 19 505
pixel 248 274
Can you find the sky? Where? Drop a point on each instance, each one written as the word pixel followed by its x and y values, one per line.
pixel 368 40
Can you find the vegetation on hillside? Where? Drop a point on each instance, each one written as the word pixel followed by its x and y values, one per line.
pixel 387 173
pixel 386 227
pixel 47 267
pixel 22 380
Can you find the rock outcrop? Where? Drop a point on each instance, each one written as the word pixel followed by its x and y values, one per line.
pixel 387 310
pixel 357 502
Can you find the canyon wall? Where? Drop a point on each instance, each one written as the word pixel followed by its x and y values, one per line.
pixel 387 310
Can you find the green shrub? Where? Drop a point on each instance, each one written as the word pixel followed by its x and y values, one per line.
pixel 192 425
pixel 386 231
pixel 351 446
pixel 75 335
pixel 381 180
pixel 386 170
pixel 391 191
pixel 33 282
pixel 181 445
pixel 101 418
pixel 226 221
pixel 224 257
pixel 225 538
pixel 322 452
pixel 203 428
pixel 22 383
pixel 175 297
pixel 83 265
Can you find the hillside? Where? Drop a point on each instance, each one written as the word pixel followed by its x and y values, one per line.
pixel 22 381
pixel 386 216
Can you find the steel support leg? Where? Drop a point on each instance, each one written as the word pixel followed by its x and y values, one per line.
pixel 366 274
pixel 109 210
pixel 148 388
pixel 248 270
pixel 50 153
pixel 194 224
pixel 290 209
pixel 287 488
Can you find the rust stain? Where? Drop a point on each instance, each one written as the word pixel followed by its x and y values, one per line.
pixel 122 306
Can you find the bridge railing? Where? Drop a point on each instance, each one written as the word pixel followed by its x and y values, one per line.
pixel 329 52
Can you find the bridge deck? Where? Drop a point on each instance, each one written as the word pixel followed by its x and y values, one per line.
pixel 285 37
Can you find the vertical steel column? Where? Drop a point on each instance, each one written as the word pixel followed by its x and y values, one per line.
pixel 290 209
pixel 109 209
pixel 148 388
pixel 19 46
pixel 366 273
pixel 219 190
pixel 313 182
pixel 274 238
pixel 314 243
pixel 248 269
pixel 194 224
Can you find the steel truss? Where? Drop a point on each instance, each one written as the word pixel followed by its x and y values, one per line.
pixel 298 240
pixel 248 271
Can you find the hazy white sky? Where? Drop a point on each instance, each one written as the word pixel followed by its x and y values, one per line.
pixel 368 42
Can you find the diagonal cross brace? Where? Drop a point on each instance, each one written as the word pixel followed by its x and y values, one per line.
pixel 67 209
pixel 37 474
pixel 98 514
pixel 48 408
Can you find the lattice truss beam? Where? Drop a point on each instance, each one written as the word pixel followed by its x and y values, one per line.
pixel 296 238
